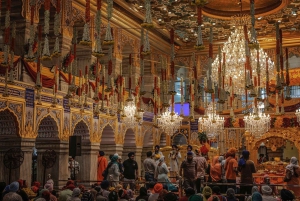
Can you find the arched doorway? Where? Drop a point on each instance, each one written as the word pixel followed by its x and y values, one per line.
pixel 147 146
pixel 179 139
pixel 129 143
pixel 9 138
pixel 107 143
pixel 81 129
pixel 47 139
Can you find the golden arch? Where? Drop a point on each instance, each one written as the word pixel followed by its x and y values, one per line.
pixel 45 116
pixel 16 120
pixel 107 124
pixel 290 134
pixel 72 133
pixel 177 134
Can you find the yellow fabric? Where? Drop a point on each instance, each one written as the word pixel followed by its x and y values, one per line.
pixel 2 57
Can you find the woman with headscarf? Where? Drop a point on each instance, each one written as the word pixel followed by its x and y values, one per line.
pixel 102 164
pixel 216 170
pixel 292 174
pixel 206 192
pixel 254 189
pixel 143 195
pixel 161 172
pixel 114 172
pixel 256 197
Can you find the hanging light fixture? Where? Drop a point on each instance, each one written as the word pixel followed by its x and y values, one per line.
pixel 257 122
pixel 241 69
pixel 131 116
pixel 169 121
pixel 211 122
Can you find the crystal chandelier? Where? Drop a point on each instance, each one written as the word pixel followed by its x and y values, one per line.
pixel 169 121
pixel 233 62
pixel 211 122
pixel 131 116
pixel 257 122
pixel 298 115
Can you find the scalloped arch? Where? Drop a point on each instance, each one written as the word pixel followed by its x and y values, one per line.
pixel 45 116
pixel 41 120
pixel 288 134
pixel 15 118
pixel 79 120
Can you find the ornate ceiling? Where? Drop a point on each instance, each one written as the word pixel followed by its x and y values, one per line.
pixel 182 16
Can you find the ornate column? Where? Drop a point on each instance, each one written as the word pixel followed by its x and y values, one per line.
pixel 88 163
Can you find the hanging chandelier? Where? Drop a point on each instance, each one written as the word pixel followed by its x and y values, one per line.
pixel 257 122
pixel 169 121
pixel 131 115
pixel 211 123
pixel 233 66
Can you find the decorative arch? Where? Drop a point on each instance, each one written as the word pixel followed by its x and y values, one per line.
pixel 9 125
pixel 82 129
pixel 105 125
pixel 179 139
pixel 78 118
pixel 129 138
pixel 45 116
pixel 48 128
pixel 148 138
pixel 107 135
pixel 291 134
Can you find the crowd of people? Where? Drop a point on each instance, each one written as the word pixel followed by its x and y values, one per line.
pixel 201 179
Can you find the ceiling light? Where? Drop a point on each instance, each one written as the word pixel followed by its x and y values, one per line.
pixel 192 15
pixel 213 23
pixel 202 25
pixel 279 21
pixel 141 6
pixel 294 13
pixel 259 18
pixel 164 8
pixel 192 30
pixel 159 20
pixel 170 12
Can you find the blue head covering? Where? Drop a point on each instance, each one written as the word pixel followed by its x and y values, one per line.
pixel 14 186
pixel 190 146
pixel 246 154
pixel 101 153
pixel 256 197
pixel 114 158
pixel 242 162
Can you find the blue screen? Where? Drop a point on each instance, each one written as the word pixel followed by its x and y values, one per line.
pixel 186 109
